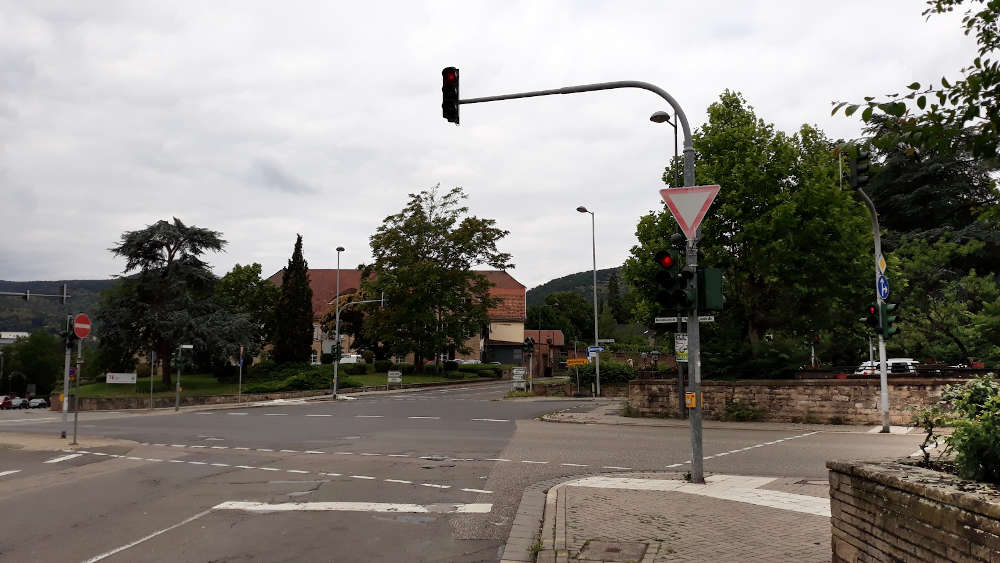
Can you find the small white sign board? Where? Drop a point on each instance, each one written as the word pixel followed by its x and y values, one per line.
pixel 395 377
pixel 517 374
pixel 121 378
pixel 689 205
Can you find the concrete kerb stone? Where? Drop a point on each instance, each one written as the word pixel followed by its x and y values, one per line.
pixel 529 521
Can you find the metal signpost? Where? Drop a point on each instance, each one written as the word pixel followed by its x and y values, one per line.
pixel 177 392
pixel 393 377
pixel 517 378
pixel 81 328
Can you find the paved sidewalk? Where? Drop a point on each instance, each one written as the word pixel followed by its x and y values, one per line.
pixel 661 517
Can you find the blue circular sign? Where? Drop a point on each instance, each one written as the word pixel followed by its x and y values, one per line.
pixel 883 287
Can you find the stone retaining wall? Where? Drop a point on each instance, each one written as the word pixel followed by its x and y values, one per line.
pixel 887 511
pixel 823 401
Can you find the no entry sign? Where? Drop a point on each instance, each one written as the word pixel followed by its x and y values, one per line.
pixel 81 326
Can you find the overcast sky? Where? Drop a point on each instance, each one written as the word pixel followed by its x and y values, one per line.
pixel 266 119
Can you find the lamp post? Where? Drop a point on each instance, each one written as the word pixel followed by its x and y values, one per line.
pixel 177 392
pixel 336 329
pixel 664 117
pixel 593 243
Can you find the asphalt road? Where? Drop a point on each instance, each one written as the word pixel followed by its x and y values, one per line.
pixel 433 475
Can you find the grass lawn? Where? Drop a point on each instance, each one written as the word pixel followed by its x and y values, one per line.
pixel 193 384
pixel 381 378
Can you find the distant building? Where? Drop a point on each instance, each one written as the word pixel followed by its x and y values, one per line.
pixel 549 350
pixel 501 343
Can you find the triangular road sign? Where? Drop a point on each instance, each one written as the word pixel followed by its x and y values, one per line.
pixel 689 205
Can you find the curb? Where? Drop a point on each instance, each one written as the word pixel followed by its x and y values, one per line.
pixel 525 533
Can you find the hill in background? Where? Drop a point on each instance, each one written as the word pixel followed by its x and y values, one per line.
pixel 16 314
pixel 581 283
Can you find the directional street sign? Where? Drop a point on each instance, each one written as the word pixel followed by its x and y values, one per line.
pixel 597 349
pixel 605 340
pixel 883 288
pixel 81 325
pixel 701 319
pixel 573 362
pixel 689 205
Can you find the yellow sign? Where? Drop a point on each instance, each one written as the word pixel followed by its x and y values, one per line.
pixel 62 397
pixel 572 362
pixel 690 400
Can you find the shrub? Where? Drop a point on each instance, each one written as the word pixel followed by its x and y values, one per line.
pixel 454 375
pixel 382 366
pixel 354 369
pixel 225 373
pixel 451 365
pixel 612 372
pixel 739 412
pixel 326 358
pixel 407 369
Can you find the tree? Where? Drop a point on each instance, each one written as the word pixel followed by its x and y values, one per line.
pixel 164 298
pixel 793 246
pixel 243 291
pixel 970 103
pixel 422 262
pixel 293 327
pixel 566 311
pixel 39 360
pixel 615 302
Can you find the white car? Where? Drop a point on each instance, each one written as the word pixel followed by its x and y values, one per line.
pixel 38 403
pixel 352 359
pixel 892 365
pixel 19 403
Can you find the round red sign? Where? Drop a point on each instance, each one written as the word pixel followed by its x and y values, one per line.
pixel 81 325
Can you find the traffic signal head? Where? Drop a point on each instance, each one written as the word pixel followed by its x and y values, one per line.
pixel 449 94
pixel 889 320
pixel 871 317
pixel 674 290
pixel 859 169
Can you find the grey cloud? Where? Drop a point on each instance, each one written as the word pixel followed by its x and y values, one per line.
pixel 272 176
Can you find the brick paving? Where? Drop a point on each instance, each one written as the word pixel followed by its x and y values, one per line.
pixel 683 527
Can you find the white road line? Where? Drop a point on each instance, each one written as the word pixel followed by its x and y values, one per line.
pixel 369 416
pixel 436 486
pixel 425 417
pixel 204 413
pixel 484 491
pixel 241 448
pixel 399 455
pixel 314 452
pixel 198 462
pixel 355 507
pixel 276 414
pixel 332 474
pixel 296 471
pixel 107 554
pixel 221 465
pixel 136 458
pixel 198 446
pixel 614 467
pixel 100 453
pixel 31 419
pixel 269 468
pixel 496 459
pixel 246 467
pixel 289 451
pixel 530 461
pixel 371 454
pixel 392 481
pixel 153 459
pixel 178 446
pixel 176 460
pixel 63 458
pixel 361 477
pixel 491 419
pixel 236 413
pixel 264 450
pixel 220 447
pixel 344 453
pixel 675 465
pixel 319 415
pixel 9 472
pixel 575 464
pixel 159 444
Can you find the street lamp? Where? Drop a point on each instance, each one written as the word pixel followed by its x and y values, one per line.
pixel 664 117
pixel 336 329
pixel 593 243
pixel 177 392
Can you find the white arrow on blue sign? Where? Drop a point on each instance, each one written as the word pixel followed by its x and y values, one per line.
pixel 597 349
pixel 883 287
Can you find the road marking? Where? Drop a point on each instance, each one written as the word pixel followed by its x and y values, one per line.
pixel 136 458
pixel 496 459
pixel 177 446
pixel 63 458
pixel 276 414
pixel 399 455
pixel 289 451
pixel 491 419
pixel 676 464
pixel 575 464
pixel 332 474
pixel 99 453
pixel 361 477
pixel 436 486
pixel 246 467
pixel 107 554
pixel 176 460
pixel 30 419
pixel 344 453
pixel 264 450
pixel 9 472
pixel 392 481
pixel 369 416
pixel 198 462
pixel 485 492
pixel 371 454
pixel 197 446
pixel 530 461
pixel 221 465
pixel 296 471
pixel 614 467
pixel 220 447
pixel 425 417
pixel 236 413
pixel 269 468
pixel 314 452
pixel 159 444
pixel 319 415
pixel 153 459
pixel 262 507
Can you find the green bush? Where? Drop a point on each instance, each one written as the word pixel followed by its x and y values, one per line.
pixel 354 369
pixel 382 366
pixel 451 365
pixel 453 375
pixel 739 412
pixel 482 370
pixel 326 358
pixel 407 369
pixel 612 373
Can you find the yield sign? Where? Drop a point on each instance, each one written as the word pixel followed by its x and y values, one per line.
pixel 689 205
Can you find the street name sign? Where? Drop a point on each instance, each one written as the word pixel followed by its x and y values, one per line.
pixel 605 340
pixel 689 205
pixel 395 376
pixel 81 325
pixel 595 349
pixel 573 362
pixel 701 319
pixel 121 378
pixel 517 373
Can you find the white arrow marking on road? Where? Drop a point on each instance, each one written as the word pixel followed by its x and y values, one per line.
pixel 63 458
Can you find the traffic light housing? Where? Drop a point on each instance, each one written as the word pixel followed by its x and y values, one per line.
pixel 674 292
pixel 710 297
pixel 449 94
pixel 529 346
pixel 337 351
pixel 872 318
pixel 889 320
pixel 860 165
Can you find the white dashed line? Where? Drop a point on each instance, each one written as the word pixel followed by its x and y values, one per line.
pixel 236 413
pixel 485 492
pixel 496 459
pixel 314 452
pixel 530 461
pixel 264 450
pixel 399 455
pixel 296 471
pixel 425 417
pixel 205 413
pixel 371 454
pixel 198 446
pixel 9 472
pixel 574 464
pixel 344 453
pixel 176 461
pixel 614 467
pixel 369 416
pixel 246 467
pixel 361 477
pixel 289 451
pixel 332 474
pixel 319 415
pixel 395 481
pixel 276 414
pixel 269 468
pixel 198 462
pixel 491 419
pixel 435 486
pixel 220 447
pixel 63 458
pixel 241 448
pixel 221 465
pixel 355 507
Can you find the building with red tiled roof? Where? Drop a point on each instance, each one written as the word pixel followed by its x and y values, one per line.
pixel 505 331
pixel 549 350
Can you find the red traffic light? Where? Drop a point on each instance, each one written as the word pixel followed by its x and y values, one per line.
pixel 449 75
pixel 872 309
pixel 666 259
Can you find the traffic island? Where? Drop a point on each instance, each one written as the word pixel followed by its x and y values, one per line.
pixel 894 511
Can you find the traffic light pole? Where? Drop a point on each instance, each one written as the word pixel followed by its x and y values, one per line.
pixel 883 376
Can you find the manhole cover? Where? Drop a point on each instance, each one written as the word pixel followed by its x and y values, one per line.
pixel 612 551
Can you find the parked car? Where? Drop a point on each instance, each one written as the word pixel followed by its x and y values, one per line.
pixel 5 403
pixel 352 359
pixel 892 365
pixel 19 403
pixel 38 403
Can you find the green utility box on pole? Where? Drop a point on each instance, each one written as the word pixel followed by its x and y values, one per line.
pixel 710 296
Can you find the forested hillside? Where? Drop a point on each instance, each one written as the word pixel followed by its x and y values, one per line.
pixel 580 283
pixel 16 314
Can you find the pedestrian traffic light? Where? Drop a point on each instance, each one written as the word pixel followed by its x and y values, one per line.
pixel 888 320
pixel 859 169
pixel 871 318
pixel 449 91
pixel 674 292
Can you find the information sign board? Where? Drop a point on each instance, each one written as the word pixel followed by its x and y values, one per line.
pixel 121 378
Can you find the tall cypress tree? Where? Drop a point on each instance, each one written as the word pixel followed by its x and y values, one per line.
pixel 293 330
